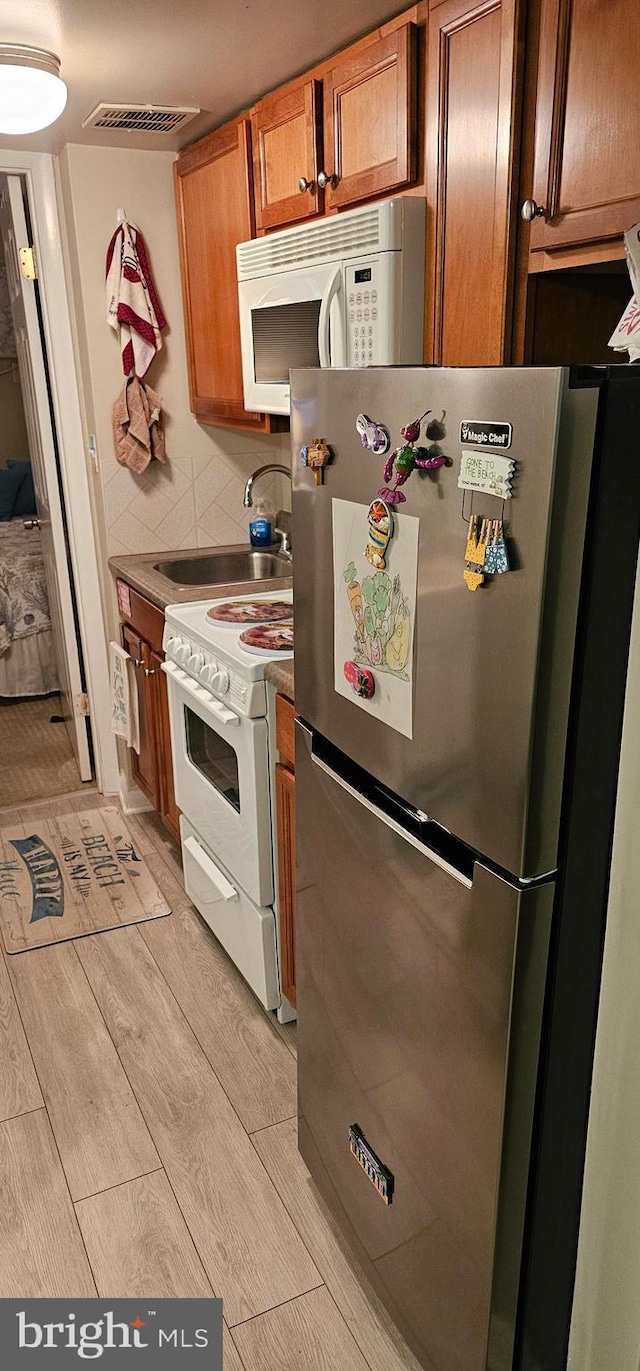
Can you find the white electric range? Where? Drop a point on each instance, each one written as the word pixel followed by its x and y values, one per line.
pixel 221 761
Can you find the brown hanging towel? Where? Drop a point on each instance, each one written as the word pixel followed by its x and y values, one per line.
pixel 138 435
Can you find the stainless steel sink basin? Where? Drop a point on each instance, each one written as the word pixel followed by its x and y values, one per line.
pixel 225 568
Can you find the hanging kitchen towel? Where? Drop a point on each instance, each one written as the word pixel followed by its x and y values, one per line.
pixel 138 434
pixel 133 307
pixel 120 703
pixel 626 337
pixel 125 721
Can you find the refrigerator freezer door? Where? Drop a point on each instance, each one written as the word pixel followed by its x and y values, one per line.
pixel 420 998
pixel 492 670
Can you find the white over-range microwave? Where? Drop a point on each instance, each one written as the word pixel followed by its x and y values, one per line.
pixel 347 291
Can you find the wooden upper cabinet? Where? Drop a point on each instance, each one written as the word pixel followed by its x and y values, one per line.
pixel 587 150
pixel 214 193
pixel 287 145
pixel 370 126
pixel 473 83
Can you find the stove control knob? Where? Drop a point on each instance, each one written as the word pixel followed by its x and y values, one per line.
pixel 221 680
pixel 173 644
pixel 183 653
pixel 208 673
pixel 196 662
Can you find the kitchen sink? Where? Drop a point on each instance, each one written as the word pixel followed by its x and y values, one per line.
pixel 225 568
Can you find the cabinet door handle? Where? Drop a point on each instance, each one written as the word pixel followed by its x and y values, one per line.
pixel 149 671
pixel 306 185
pixel 530 210
pixel 324 180
pixel 137 661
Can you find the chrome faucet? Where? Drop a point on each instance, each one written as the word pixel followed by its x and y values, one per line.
pixel 283 517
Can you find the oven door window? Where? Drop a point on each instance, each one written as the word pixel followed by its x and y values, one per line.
pixel 213 757
pixel 284 336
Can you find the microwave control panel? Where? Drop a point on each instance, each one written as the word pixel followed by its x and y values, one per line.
pixel 367 295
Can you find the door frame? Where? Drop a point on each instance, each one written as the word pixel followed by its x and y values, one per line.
pixel 38 171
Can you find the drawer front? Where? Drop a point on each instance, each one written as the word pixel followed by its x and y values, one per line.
pixel 146 618
pixel 247 931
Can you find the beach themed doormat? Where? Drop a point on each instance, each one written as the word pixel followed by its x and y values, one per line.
pixel 72 875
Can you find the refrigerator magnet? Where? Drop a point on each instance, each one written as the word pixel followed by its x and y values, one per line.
pixel 316 455
pixel 361 680
pixel 374 437
pixel 487 472
pixel 408 456
pixel 380 523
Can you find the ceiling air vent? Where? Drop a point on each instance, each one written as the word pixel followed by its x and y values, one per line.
pixel 141 118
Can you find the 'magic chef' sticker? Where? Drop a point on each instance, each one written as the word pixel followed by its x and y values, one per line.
pixel 485 434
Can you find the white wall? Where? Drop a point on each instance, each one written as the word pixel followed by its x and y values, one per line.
pixel 196 500
pixel 605 1332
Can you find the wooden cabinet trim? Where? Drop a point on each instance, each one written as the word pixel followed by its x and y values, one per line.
pixel 216 144
pixel 285 729
pixel 558 109
pixel 415 14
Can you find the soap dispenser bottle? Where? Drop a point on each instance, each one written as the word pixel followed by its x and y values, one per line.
pixel 261 526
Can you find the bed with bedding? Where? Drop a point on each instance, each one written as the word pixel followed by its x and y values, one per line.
pixel 27 658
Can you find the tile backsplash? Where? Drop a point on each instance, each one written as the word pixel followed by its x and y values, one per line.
pixel 192 501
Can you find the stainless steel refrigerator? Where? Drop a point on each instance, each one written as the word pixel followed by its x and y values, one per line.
pixel 452 884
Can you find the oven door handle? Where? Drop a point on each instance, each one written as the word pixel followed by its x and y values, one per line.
pixel 211 871
pixel 333 288
pixel 204 697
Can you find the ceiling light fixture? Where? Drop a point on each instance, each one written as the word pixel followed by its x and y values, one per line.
pixel 32 93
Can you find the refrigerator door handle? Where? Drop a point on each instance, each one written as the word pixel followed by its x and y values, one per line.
pixel 391 823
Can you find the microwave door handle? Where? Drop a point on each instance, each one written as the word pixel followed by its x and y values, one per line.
pixel 334 286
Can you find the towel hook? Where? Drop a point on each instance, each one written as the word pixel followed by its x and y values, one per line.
pixel 121 216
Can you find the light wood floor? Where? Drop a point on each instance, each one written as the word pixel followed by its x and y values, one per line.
pixel 148 1141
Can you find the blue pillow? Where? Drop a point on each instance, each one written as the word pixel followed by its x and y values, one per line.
pixel 25 503
pixel 10 482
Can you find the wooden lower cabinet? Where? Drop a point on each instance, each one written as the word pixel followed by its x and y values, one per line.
pixel 286 827
pixel 152 767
